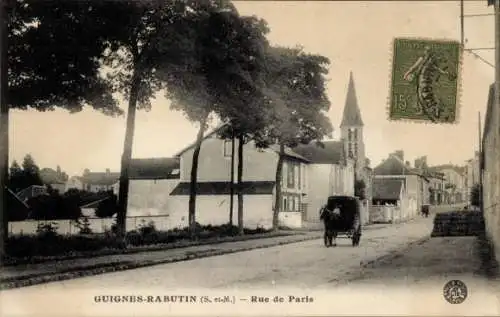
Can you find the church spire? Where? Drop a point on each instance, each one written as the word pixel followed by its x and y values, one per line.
pixel 352 114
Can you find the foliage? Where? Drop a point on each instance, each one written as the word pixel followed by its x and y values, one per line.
pixel 37 245
pixel 83 224
pixel 107 208
pixel 476 195
pixel 54 55
pixel 47 230
pixel 147 228
pixel 54 207
pixel 296 87
pixel 219 74
pixel 360 189
pixel 296 96
pixel 25 176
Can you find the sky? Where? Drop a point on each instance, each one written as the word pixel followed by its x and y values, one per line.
pixel 355 35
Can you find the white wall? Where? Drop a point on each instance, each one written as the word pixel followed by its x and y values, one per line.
pixel 150 197
pixel 291 220
pixel 214 210
pixel 318 189
pixel 213 166
pixel 327 180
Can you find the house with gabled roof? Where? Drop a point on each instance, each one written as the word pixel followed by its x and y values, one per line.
pixel 415 182
pixel 455 182
pixel 390 201
pixel 160 186
pixel 99 181
pixel 152 180
pixel 311 173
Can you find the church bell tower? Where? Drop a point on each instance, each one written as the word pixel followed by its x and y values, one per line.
pixel 351 129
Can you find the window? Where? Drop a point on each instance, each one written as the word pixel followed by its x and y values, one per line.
pixel 299 176
pixel 349 135
pixel 297 203
pixel 355 134
pixel 227 147
pixel 285 204
pixel 290 176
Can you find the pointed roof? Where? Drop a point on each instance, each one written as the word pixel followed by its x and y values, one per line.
pixel 329 152
pixel 352 114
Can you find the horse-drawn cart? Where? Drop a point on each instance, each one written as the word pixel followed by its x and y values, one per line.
pixel 342 217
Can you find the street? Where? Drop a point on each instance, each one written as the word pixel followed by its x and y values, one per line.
pixel 298 269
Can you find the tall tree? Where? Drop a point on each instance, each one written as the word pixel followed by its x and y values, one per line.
pixel 50 59
pixel 296 88
pixel 228 50
pixel 15 174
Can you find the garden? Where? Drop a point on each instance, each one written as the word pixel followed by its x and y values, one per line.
pixel 48 245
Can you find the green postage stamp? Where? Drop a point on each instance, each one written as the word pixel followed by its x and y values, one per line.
pixel 425 83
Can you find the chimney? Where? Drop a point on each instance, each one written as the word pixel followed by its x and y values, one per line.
pixel 86 171
pixel 367 162
pixel 400 154
pixel 108 171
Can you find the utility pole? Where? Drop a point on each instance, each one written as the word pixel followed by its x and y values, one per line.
pixel 462 33
pixel 4 128
pixel 480 155
pixel 497 59
pixel 497 80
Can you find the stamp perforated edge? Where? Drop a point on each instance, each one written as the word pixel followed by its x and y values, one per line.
pixel 458 97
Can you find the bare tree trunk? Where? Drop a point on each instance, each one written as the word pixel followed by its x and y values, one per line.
pixel 126 156
pixel 231 188
pixel 279 177
pixel 240 184
pixel 4 130
pixel 194 178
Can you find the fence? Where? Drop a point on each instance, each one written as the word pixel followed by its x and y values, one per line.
pixel 96 225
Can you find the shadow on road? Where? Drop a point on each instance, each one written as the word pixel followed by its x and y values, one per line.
pixel 435 258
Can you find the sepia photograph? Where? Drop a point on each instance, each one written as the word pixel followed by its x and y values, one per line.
pixel 249 158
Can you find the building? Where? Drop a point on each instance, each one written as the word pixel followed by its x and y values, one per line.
pixel 490 168
pixel 99 181
pixel 161 186
pixel 351 128
pixel 455 183
pixel 390 201
pixel 416 184
pixel 471 175
pixel 330 173
pixel 151 182
pixel 435 181
pixel 74 182
pixel 310 174
pixel 56 179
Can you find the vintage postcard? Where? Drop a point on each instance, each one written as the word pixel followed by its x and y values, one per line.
pixel 249 158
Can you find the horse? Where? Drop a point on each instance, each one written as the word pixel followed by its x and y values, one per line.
pixel 329 217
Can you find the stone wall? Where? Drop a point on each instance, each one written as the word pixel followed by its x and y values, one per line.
pixel 491 172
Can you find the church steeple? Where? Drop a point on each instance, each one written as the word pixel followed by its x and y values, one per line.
pixel 352 114
pixel 352 128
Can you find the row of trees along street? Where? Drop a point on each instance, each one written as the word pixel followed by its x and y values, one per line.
pixel 206 58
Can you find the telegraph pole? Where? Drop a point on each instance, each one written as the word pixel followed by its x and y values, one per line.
pixel 497 59
pixel 462 33
pixel 4 127
pixel 480 157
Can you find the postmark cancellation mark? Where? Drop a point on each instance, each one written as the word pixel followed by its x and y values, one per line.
pixel 424 85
